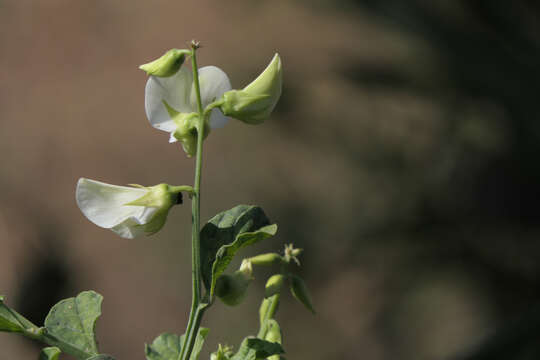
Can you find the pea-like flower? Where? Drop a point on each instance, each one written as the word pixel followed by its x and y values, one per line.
pixel 254 103
pixel 171 103
pixel 128 211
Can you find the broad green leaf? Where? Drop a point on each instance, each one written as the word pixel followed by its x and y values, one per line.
pixel 225 234
pixel 101 357
pixel 73 321
pixel 49 353
pixel 167 346
pixel 12 321
pixel 257 349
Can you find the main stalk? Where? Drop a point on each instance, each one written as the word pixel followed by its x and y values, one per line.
pixel 197 309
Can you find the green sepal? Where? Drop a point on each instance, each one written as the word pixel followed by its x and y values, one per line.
pixel 257 349
pixel 158 196
pixel 300 292
pixel 72 321
pixel 225 234
pixel 187 125
pixel 49 353
pixel 167 65
pixel 168 346
pixel 243 106
pixel 161 197
pixel 12 321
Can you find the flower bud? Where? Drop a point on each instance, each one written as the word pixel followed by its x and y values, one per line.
pixel 273 285
pixel 167 65
pixel 254 103
pixel 266 259
pixel 232 289
pixel 300 292
pixel 222 353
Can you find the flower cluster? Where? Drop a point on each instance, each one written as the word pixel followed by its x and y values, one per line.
pixel 171 104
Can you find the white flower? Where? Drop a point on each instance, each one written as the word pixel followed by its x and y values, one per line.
pixel 169 101
pixel 128 211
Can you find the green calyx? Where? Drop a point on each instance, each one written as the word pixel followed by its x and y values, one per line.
pixel 167 65
pixel 187 125
pixel 162 197
pixel 254 103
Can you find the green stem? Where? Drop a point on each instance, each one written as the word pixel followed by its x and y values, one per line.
pixel 270 313
pixel 196 313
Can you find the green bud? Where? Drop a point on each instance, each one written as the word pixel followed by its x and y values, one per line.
pixel 254 103
pixel 273 285
pixel 232 289
pixel 167 65
pixel 222 353
pixel 266 259
pixel 300 292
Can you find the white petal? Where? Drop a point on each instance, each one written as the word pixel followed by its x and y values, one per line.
pixel 172 138
pixel 128 229
pixel 175 90
pixel 217 119
pixel 104 204
pixel 213 83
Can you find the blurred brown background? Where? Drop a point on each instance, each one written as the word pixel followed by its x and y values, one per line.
pixel 403 157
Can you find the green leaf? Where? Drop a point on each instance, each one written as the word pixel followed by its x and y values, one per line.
pixel 101 357
pixel 225 234
pixel 49 353
pixel 199 342
pixel 167 346
pixel 72 321
pixel 12 321
pixel 257 349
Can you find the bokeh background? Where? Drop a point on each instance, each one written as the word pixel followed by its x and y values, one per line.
pixel 403 157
